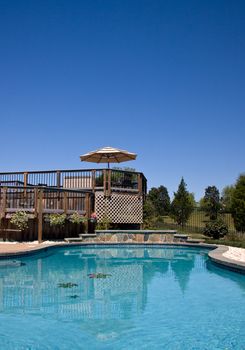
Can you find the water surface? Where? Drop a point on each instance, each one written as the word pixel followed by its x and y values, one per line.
pixel 145 298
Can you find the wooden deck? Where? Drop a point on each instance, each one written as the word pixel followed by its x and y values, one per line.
pixel 107 180
pixel 40 193
pixel 38 201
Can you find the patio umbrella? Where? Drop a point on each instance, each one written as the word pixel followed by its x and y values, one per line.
pixel 108 155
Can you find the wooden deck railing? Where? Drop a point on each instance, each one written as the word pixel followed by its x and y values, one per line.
pixel 39 200
pixel 90 179
pixel 17 198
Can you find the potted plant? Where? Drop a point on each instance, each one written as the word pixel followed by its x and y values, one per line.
pixel 20 220
pixel 57 219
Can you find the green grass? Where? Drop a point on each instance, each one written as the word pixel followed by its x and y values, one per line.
pixel 198 220
pixel 239 244
pixel 195 225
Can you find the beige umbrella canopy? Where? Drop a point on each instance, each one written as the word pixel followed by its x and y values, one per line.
pixel 108 155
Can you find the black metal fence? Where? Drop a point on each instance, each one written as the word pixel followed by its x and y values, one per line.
pixel 198 220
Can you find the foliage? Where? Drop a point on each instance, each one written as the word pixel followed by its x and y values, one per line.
pixel 20 220
pixel 215 229
pixel 148 209
pixel 192 199
pixel 160 199
pixel 104 224
pixel 211 202
pixel 226 198
pixel 125 168
pixel 182 205
pixel 149 223
pixel 238 204
pixel 153 222
pixel 123 175
pixel 76 218
pixel 57 219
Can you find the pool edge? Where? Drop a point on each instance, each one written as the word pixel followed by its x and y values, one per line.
pixel 215 254
pixel 217 257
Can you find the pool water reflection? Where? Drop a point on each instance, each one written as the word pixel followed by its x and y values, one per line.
pixel 121 298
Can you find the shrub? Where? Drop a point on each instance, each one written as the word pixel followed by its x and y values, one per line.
pixel 20 220
pixel 76 218
pixel 215 229
pixel 104 224
pixel 148 209
pixel 57 219
pixel 238 204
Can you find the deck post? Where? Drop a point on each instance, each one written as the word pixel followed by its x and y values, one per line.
pixel 109 183
pixel 140 185
pixel 58 178
pixel 40 216
pixel 58 187
pixel 4 202
pixel 25 182
pixel 5 189
pixel 35 202
pixel 65 202
pixel 105 180
pixel 87 209
pixel 93 180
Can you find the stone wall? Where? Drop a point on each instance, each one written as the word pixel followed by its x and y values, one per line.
pixel 133 237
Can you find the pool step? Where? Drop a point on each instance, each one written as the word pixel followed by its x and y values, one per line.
pixel 73 239
pixel 195 240
pixel 86 235
pixel 83 237
pixel 179 237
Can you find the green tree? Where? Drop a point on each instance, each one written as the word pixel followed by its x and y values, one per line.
pixel 226 197
pixel 149 209
pixel 149 214
pixel 192 199
pixel 160 199
pixel 238 204
pixel 182 205
pixel 211 202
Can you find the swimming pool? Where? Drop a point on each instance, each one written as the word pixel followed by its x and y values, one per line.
pixel 120 297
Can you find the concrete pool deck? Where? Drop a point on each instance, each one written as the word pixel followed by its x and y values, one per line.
pixel 8 249
pixel 230 257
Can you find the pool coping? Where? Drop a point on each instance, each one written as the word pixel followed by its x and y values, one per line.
pixel 215 254
pixel 218 258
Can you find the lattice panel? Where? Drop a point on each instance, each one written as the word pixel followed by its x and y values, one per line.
pixel 119 208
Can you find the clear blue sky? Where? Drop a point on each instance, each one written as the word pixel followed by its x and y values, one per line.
pixel 162 78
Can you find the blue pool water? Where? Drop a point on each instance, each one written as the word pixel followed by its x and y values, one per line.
pixel 149 298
